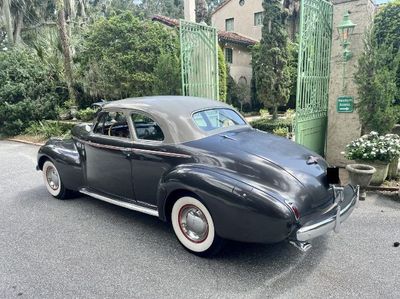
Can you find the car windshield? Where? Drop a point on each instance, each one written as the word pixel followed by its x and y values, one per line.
pixel 212 119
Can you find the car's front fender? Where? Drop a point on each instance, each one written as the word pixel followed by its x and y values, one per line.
pixel 240 212
pixel 66 157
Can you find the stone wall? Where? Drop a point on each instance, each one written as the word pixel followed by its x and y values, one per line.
pixel 344 127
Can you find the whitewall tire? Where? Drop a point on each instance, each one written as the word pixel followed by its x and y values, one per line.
pixel 194 227
pixel 52 180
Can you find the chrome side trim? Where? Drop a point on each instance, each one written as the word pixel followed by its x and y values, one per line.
pixel 133 150
pixel 106 146
pixel 312 231
pixel 168 154
pixel 123 204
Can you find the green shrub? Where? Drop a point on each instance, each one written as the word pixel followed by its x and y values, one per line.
pixel 378 72
pixel 270 125
pixel 118 56
pixel 281 131
pixel 264 113
pixel 167 75
pixel 222 76
pixel 376 80
pixel 290 114
pixel 29 91
pixel 49 129
pixel 87 114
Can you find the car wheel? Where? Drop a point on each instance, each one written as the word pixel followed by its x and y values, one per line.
pixel 53 182
pixel 194 227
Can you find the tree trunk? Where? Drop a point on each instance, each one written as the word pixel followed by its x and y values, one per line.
pixel 8 19
pixel 71 10
pixel 18 27
pixel 82 9
pixel 62 27
pixel 274 112
pixel 201 11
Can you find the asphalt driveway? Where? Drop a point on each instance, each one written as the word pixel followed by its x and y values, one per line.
pixel 85 248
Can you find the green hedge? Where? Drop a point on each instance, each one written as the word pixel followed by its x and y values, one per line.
pixel 49 128
pixel 270 125
pixel 29 90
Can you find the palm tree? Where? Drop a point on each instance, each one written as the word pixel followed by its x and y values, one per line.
pixel 201 11
pixel 7 19
pixel 62 28
pixel 292 7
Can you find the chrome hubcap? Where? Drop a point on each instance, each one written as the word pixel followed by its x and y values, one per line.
pixel 193 223
pixel 52 178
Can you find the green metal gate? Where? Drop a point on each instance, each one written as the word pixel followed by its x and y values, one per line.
pixel 199 60
pixel 313 74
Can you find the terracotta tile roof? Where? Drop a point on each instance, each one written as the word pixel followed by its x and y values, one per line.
pixel 233 37
pixel 223 36
pixel 166 20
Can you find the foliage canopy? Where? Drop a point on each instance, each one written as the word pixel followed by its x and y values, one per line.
pixel 119 56
pixel 30 90
pixel 378 72
pixel 270 58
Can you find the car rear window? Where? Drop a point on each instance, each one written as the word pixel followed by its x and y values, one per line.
pixel 216 118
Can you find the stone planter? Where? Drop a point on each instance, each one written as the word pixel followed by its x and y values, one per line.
pixel 361 175
pixel 381 172
pixel 393 168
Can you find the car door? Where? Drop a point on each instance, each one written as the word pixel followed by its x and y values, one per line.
pixel 108 154
pixel 151 158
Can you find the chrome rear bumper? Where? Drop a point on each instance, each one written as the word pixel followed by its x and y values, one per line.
pixel 344 209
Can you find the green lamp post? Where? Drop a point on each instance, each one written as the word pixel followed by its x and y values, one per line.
pixel 345 29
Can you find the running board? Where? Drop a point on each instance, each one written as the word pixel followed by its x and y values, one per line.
pixel 123 204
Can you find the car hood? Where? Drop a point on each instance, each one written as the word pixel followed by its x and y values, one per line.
pixel 273 164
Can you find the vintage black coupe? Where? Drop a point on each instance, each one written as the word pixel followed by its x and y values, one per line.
pixel 199 165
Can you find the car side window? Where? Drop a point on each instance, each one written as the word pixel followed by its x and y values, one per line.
pixel 112 124
pixel 146 128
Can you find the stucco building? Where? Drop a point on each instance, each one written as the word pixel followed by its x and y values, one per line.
pixel 242 17
pixel 236 47
pixel 239 24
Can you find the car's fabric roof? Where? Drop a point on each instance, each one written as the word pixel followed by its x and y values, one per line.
pixel 173 114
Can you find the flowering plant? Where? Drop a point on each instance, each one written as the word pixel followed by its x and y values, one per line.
pixel 373 147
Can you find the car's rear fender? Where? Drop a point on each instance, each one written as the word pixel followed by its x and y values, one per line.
pixel 240 212
pixel 66 157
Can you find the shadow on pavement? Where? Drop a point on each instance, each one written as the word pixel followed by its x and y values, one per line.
pixel 240 267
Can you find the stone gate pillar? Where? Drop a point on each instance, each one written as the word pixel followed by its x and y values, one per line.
pixel 344 127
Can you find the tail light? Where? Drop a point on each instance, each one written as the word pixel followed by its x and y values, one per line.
pixel 295 211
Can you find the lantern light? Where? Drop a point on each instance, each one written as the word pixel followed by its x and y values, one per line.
pixel 345 30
